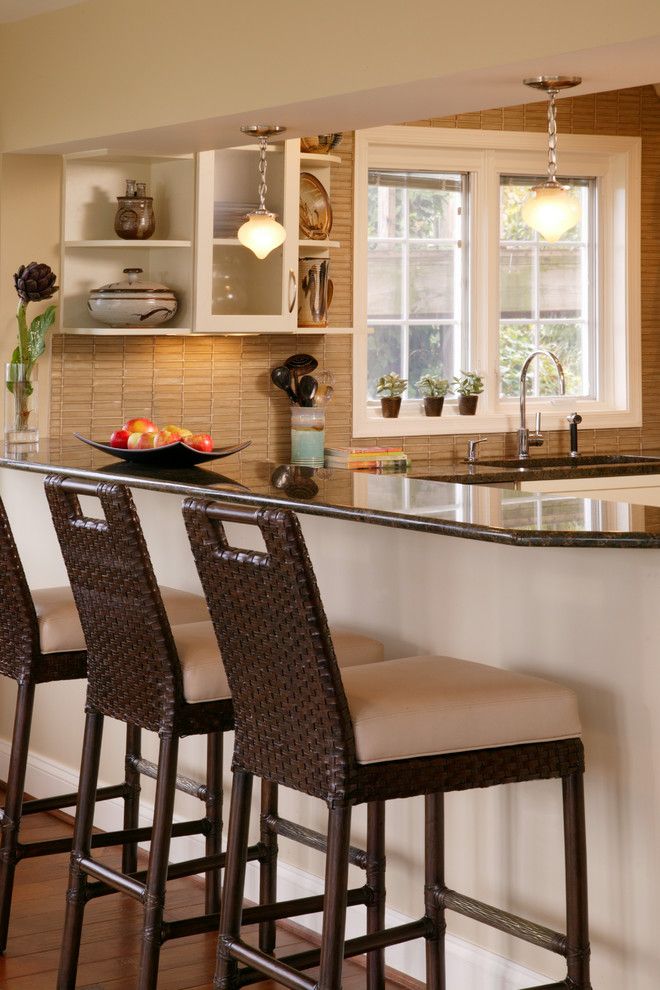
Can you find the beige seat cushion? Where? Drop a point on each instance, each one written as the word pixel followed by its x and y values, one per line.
pixel 421 706
pixel 59 626
pixel 204 677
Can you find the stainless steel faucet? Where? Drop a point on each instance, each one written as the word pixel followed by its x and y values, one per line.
pixel 525 441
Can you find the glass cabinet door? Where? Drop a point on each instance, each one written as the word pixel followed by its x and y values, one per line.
pixel 236 291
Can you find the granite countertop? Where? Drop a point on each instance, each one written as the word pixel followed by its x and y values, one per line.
pixel 455 500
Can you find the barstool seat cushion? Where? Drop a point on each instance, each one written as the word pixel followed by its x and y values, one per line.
pixel 430 705
pixel 59 626
pixel 204 677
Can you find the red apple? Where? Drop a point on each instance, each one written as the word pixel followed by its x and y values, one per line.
pixel 120 439
pixel 200 441
pixel 147 441
pixel 180 431
pixel 165 437
pixel 134 439
pixel 140 425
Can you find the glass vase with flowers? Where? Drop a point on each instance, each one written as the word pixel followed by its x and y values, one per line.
pixel 34 283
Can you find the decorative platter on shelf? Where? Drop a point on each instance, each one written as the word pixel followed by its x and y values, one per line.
pixel 173 455
pixel 315 210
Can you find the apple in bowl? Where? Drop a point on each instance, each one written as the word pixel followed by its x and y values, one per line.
pixel 141 441
pixel 180 431
pixel 200 441
pixel 119 439
pixel 140 425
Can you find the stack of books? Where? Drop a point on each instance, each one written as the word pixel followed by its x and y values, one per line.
pixel 366 458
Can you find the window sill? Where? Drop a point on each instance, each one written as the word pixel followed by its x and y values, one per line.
pixel 411 423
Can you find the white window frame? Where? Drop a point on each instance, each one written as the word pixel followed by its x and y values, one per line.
pixel 615 162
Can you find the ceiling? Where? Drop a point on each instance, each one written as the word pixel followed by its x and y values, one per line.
pixel 606 68
pixel 20 10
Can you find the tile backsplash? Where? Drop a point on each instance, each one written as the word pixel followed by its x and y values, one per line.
pixel 224 383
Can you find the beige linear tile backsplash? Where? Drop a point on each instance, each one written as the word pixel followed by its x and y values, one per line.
pixel 224 383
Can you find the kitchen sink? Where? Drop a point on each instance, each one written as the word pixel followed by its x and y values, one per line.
pixel 582 460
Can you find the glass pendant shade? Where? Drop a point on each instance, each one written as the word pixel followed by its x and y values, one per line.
pixel 551 210
pixel 261 233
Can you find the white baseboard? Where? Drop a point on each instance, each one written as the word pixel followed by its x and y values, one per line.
pixel 469 967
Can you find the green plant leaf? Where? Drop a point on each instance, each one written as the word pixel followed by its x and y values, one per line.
pixel 37 333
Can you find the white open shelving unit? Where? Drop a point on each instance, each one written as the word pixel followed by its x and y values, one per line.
pixel 93 255
pixel 221 286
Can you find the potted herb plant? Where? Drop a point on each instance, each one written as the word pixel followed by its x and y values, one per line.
pixel 434 390
pixel 34 283
pixel 390 388
pixel 468 386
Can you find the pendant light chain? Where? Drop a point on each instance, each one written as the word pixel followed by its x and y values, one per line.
pixel 552 136
pixel 263 188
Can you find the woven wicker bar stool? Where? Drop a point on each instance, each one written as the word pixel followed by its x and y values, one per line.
pixel 422 725
pixel 41 641
pixel 170 680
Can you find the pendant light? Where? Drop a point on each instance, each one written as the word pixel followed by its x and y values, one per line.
pixel 261 232
pixel 550 208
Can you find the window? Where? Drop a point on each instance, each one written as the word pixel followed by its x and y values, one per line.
pixel 417 274
pixel 448 277
pixel 547 294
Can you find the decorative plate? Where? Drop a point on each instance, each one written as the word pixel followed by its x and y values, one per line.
pixel 173 455
pixel 315 209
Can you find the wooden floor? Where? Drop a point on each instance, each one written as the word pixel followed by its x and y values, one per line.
pixel 109 953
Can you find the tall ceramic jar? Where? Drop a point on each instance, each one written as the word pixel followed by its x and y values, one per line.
pixel 135 219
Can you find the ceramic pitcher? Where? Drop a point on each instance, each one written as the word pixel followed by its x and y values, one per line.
pixel 315 292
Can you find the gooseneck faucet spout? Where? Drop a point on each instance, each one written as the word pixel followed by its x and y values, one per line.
pixel 524 439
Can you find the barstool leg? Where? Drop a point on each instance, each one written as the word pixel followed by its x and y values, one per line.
pixel 268 864
pixel 434 878
pixel 214 818
pixel 154 901
pixel 226 971
pixel 577 915
pixel 132 798
pixel 334 912
pixel 82 844
pixel 11 819
pixel 376 882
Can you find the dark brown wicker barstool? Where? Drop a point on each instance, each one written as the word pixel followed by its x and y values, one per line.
pixel 423 725
pixel 41 641
pixel 171 680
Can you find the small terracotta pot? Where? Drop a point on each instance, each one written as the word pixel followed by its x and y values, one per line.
pixel 467 405
pixel 390 404
pixel 433 405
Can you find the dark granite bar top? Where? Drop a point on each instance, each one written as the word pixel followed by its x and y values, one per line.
pixel 477 502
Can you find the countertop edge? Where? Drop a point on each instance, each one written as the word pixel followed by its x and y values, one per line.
pixel 377 517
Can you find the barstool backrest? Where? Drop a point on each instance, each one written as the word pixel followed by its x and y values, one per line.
pixel 132 666
pixel 19 631
pixel 291 716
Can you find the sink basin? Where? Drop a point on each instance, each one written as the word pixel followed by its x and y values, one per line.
pixel 582 460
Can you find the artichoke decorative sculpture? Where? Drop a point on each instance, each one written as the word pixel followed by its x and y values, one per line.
pixel 34 283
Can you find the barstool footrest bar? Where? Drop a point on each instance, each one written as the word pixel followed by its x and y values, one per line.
pixel 59 801
pixel 174 872
pixel 119 881
pixel 310 837
pixel 299 906
pixel 252 915
pixel 185 784
pixel 512 924
pixel 265 965
pixel 365 943
pixel 28 850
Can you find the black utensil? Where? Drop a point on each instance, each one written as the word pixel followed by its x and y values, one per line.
pixel 307 388
pixel 282 378
pixel 301 364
